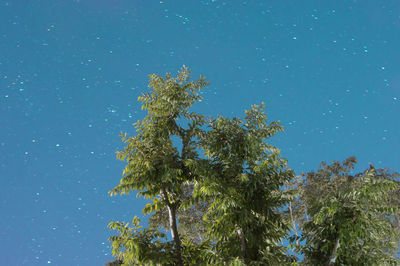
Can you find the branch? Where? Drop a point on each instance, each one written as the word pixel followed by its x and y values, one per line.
pixel 333 257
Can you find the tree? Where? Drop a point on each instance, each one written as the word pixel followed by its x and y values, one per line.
pixel 237 186
pixel 228 198
pixel 155 168
pixel 243 179
pixel 348 219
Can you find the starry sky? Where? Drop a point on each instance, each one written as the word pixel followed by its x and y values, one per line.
pixel 71 72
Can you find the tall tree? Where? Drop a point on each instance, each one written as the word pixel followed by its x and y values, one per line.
pixel 243 179
pixel 346 218
pixel 157 165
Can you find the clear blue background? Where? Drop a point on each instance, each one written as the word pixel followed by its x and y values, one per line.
pixel 71 72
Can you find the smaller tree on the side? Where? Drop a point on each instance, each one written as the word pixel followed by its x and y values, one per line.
pixel 346 218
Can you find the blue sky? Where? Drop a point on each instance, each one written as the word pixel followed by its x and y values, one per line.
pixel 71 72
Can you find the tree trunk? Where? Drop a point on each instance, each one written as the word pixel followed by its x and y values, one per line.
pixel 242 243
pixel 294 227
pixel 174 233
pixel 333 257
pixel 173 227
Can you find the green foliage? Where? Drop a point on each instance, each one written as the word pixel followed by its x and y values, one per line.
pixel 155 168
pixel 347 219
pixel 136 246
pixel 235 203
pixel 153 160
pixel 243 181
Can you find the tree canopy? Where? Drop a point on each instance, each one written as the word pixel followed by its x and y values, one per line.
pixel 349 218
pixel 227 197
